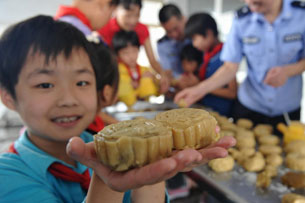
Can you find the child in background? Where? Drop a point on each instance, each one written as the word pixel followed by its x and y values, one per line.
pixel 202 29
pixel 127 18
pixel 53 86
pixel 110 80
pixel 87 16
pixel 135 81
pixel 191 59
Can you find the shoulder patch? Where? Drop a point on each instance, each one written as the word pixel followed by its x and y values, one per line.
pixel 164 38
pixel 243 11
pixel 298 4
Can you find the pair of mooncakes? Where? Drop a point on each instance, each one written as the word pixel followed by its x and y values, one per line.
pixel 135 143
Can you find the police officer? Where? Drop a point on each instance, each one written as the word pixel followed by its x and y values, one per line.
pixel 271 35
pixel 170 46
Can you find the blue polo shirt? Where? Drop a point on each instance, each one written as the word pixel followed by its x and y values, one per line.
pixel 169 54
pixel 25 177
pixel 219 104
pixel 265 46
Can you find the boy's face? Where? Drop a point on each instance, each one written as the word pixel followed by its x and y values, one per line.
pixel 128 19
pixel 99 12
pixel 174 28
pixel 57 100
pixel 203 43
pixel 189 66
pixel 260 6
pixel 129 55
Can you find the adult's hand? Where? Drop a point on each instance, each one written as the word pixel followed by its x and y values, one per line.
pixel 189 95
pixel 276 77
pixel 150 174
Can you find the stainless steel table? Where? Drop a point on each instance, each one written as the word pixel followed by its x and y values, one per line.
pixel 239 186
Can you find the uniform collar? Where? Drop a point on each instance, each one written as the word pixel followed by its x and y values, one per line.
pixel 286 13
pixel 38 160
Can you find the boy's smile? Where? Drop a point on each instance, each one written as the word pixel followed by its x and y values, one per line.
pixel 56 99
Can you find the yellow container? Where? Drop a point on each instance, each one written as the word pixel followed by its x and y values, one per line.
pixel 295 131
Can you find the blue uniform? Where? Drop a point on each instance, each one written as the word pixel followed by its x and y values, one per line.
pixel 25 176
pixel 265 46
pixel 169 54
pixel 219 104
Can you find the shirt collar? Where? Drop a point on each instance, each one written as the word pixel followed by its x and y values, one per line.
pixel 286 13
pixel 38 160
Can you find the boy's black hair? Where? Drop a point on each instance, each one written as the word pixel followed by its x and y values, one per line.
pixel 44 35
pixel 168 11
pixel 199 23
pixel 127 3
pixel 123 38
pixel 114 2
pixel 190 53
pixel 108 65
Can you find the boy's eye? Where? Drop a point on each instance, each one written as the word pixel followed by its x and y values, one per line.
pixel 82 83
pixel 45 85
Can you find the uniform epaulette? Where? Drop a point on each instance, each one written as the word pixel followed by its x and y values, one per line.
pixel 298 4
pixel 164 38
pixel 243 11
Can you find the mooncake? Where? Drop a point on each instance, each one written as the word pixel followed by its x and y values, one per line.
pixel 191 128
pixel 133 143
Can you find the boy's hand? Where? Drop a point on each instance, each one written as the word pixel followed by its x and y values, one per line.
pixel 153 173
pixel 189 95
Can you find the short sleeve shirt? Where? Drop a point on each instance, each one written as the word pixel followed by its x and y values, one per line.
pixel 265 46
pixel 25 176
pixel 108 31
pixel 169 54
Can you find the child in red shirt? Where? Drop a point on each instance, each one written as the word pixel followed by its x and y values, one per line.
pixel 127 18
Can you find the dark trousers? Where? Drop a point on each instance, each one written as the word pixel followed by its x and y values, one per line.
pixel 240 111
pixel 176 181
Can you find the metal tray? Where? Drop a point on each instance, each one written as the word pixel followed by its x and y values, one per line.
pixel 238 186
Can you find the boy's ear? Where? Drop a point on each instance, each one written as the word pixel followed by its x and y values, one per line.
pixel 7 99
pixel 106 96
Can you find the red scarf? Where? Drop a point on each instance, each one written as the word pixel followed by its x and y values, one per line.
pixel 206 59
pixel 72 11
pixel 63 172
pixel 97 125
pixel 138 69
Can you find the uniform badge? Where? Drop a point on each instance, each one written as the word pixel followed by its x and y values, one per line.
pixel 293 37
pixel 251 40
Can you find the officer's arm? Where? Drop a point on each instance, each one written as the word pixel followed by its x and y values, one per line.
pixel 295 69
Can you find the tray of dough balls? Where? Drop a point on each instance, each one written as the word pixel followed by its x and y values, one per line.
pixel 259 168
pixel 142 109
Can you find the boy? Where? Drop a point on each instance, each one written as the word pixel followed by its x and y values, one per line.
pixel 202 29
pixel 127 18
pixel 191 59
pixel 52 85
pixel 48 75
pixel 136 82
